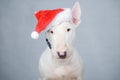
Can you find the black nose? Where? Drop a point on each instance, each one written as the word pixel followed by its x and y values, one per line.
pixel 63 55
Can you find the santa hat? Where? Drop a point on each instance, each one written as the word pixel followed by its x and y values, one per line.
pixel 49 18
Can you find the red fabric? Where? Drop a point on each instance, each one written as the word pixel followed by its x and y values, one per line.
pixel 44 17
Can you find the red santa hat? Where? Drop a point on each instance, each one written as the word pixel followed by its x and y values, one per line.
pixel 49 18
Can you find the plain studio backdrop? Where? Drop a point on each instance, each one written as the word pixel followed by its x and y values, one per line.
pixel 97 38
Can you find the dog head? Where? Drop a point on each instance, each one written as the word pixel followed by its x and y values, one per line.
pixel 60 37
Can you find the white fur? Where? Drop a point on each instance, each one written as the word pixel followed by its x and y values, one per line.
pixel 51 67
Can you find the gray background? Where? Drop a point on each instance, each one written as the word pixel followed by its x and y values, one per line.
pixel 97 39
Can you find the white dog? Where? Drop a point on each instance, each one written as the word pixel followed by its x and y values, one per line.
pixel 60 60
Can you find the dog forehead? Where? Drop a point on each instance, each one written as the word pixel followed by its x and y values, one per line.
pixel 62 26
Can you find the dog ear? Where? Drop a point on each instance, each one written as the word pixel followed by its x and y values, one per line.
pixel 76 14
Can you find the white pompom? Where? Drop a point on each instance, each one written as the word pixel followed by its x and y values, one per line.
pixel 34 35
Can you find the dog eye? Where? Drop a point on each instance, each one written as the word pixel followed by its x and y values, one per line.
pixel 51 32
pixel 68 29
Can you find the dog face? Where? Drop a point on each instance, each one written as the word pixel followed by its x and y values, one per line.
pixel 60 38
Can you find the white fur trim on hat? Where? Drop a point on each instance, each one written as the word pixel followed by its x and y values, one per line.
pixel 65 15
pixel 34 35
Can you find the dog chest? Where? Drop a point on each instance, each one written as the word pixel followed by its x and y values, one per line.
pixel 62 73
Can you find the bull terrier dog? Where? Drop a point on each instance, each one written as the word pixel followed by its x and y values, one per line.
pixel 60 60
